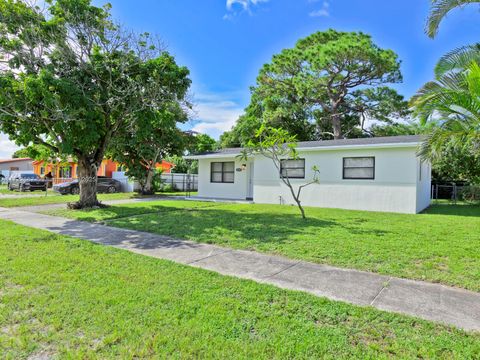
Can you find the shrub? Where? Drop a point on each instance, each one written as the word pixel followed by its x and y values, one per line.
pixel 471 194
pixel 168 188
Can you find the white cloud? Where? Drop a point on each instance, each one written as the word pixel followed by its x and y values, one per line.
pixel 235 7
pixel 215 113
pixel 7 147
pixel 323 12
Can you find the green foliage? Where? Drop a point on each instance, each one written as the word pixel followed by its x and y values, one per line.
pixel 200 143
pixel 168 188
pixel 451 104
pixel 157 182
pixel 397 129
pixel 36 152
pixel 273 143
pixel 324 87
pixel 183 166
pixel 456 163
pixel 153 134
pixel 21 153
pixel 458 59
pixel 471 194
pixel 194 144
pixel 439 9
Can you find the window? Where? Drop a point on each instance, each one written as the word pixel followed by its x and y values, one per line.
pixel 293 168
pixel 222 172
pixel 42 170
pixel 361 168
pixel 66 172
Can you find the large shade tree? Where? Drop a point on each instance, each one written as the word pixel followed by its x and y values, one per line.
pixel 153 135
pixel 325 86
pixel 71 79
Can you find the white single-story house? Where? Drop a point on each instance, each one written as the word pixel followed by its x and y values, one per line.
pixel 19 164
pixel 376 174
pixel 9 166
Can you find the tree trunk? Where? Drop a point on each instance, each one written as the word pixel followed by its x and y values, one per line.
pixel 336 117
pixel 87 179
pixel 147 189
pixel 337 126
pixel 302 211
pixel 296 198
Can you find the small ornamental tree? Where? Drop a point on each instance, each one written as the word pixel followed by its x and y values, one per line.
pixel 278 145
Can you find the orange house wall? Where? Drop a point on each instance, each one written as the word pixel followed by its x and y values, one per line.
pixel 106 168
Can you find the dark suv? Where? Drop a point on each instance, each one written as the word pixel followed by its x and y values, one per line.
pixel 26 182
pixel 104 184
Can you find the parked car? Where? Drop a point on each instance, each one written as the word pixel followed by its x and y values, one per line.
pixel 26 182
pixel 104 185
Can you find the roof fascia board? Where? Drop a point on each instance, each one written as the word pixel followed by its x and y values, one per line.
pixel 318 148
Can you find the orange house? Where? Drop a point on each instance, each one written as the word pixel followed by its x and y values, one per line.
pixel 68 169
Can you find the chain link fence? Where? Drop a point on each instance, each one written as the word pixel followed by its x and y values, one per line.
pixel 180 182
pixel 450 192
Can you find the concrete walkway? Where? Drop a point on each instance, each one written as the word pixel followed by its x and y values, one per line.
pixel 434 302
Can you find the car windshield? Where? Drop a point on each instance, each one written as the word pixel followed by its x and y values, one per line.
pixel 29 176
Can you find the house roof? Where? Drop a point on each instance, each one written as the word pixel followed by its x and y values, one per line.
pixel 3 161
pixel 373 142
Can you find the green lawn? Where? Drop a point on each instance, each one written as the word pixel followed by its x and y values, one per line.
pixel 441 245
pixel 54 198
pixel 4 189
pixel 68 298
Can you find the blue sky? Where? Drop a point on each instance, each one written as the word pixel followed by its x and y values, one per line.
pixel 225 42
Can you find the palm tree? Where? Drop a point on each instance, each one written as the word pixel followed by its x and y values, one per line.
pixel 452 102
pixel 439 9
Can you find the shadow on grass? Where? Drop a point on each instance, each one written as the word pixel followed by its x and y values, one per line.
pixel 195 222
pixel 115 212
pixel 211 224
pixel 463 209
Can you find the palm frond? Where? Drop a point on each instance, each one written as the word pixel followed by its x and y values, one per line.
pixel 438 11
pixel 458 59
pixel 452 103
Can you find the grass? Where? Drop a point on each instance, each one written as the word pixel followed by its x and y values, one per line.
pixel 438 246
pixel 44 200
pixel 68 298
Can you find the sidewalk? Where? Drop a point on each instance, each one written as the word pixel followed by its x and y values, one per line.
pixel 434 302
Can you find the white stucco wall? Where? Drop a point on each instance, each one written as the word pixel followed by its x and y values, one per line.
pixel 22 165
pixel 394 188
pixel 235 190
pixel 424 185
